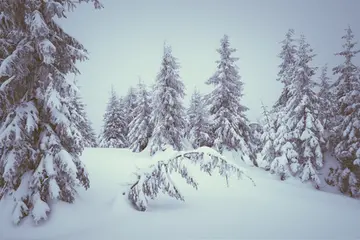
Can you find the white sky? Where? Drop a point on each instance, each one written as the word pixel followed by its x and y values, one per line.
pixel 125 41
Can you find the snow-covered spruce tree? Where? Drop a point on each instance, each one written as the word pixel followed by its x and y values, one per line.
pixel 41 143
pixel 157 177
pixel 267 139
pixel 139 128
pixel 191 110
pixel 129 102
pixel 229 125
pixel 286 157
pixel 303 118
pixel 114 130
pixel 285 154
pixel 285 74
pixel 168 117
pixel 6 46
pixel 347 93
pixel 256 131
pixel 327 105
pixel 83 123
pixel 198 122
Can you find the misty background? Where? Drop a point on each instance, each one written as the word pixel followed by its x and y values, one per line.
pixel 125 41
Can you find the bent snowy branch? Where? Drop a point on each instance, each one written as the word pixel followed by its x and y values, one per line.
pixel 157 177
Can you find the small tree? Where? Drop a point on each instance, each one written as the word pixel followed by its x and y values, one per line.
pixel 198 132
pixel 139 128
pixel 114 130
pixel 267 138
pixel 327 104
pixel 88 135
pixel 256 132
pixel 129 102
pixel 168 111
pixel 286 161
pixel 228 121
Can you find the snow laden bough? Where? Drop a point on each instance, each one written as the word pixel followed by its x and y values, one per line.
pixel 157 176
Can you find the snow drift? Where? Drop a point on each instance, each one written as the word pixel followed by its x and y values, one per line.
pixel 272 209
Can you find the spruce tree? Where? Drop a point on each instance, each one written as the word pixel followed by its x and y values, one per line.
pixel 285 152
pixel 229 125
pixel 347 89
pixel 299 132
pixel 140 129
pixel 285 162
pixel 303 118
pixel 168 117
pixel 83 123
pixel 40 140
pixel 285 74
pixel 267 138
pixel 256 131
pixel 327 105
pixel 114 130
pixel 129 102
pixel 198 121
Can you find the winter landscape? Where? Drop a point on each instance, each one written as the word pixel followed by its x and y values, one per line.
pixel 170 158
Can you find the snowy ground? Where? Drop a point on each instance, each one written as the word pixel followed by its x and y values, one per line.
pixel 271 210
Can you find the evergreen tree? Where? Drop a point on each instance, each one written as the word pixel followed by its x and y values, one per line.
pixel 303 117
pixel 285 162
pixel 228 121
pixel 326 105
pixel 198 131
pixel 347 89
pixel 140 129
pixel 129 102
pixel 113 134
pixel 256 131
pixel 40 140
pixel 168 112
pixel 285 153
pixel 299 131
pixel 83 123
pixel 285 75
pixel 6 47
pixel 267 138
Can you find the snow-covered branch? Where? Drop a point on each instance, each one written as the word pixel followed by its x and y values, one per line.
pixel 157 177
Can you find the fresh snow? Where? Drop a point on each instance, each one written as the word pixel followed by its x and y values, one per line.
pixel 272 209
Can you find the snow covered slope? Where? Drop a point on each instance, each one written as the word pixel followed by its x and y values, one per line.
pixel 271 210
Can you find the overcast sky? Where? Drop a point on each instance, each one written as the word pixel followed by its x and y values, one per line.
pixel 125 41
